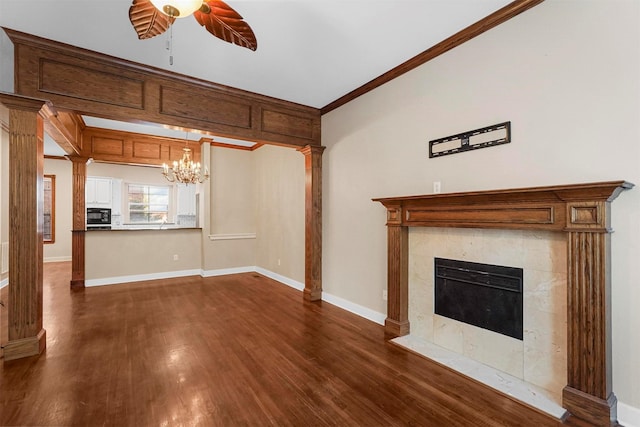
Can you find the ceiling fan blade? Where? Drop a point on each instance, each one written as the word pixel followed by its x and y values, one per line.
pixel 226 24
pixel 147 20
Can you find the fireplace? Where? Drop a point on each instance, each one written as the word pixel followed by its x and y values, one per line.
pixel 580 212
pixel 483 295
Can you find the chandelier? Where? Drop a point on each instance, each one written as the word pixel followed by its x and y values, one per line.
pixel 185 170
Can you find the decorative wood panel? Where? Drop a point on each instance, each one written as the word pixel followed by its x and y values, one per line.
pixel 133 148
pixel 282 123
pixel 589 216
pixel 87 82
pixel 185 104
pixel 580 210
pixel 101 146
pixel 147 150
pixel 492 217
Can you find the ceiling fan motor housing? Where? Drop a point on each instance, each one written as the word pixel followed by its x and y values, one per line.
pixel 177 8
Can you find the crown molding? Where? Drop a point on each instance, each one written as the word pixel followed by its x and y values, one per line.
pixel 502 15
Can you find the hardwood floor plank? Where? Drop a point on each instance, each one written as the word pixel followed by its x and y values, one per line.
pixel 238 350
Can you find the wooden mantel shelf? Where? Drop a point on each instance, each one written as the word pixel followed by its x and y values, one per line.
pixel 582 212
pixel 551 208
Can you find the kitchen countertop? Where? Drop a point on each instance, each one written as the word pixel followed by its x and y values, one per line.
pixel 145 229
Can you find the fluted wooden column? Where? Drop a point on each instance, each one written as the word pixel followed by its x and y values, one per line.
pixel 589 393
pixel 313 222
pixel 27 337
pixel 397 321
pixel 79 212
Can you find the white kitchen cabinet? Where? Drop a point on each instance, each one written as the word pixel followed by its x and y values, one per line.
pixel 98 192
pixel 186 199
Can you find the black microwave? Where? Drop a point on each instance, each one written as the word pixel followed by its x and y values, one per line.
pixel 98 216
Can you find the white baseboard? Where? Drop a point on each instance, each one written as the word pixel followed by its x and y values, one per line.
pixel 344 304
pixel 225 271
pixel 279 278
pixel 354 308
pixel 628 415
pixel 141 277
pixel 4 283
pixel 57 259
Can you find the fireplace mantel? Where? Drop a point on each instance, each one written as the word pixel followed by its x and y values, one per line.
pixel 582 212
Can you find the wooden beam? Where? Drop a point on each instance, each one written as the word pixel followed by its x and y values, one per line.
pixel 91 83
pixel 115 146
pixel 502 15
pixel 65 129
pixel 26 215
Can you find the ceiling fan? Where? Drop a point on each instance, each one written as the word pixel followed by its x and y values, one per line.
pixel 153 17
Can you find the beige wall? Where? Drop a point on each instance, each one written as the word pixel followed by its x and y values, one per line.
pixel 566 74
pixel 233 204
pixel 280 179
pixel 60 250
pixel 231 210
pixel 259 193
pixel 143 252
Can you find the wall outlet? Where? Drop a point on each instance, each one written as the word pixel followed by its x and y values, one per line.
pixel 278 261
pixel 175 257
pixel 437 187
pixel 384 295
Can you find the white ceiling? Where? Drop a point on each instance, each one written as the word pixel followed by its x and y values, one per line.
pixel 310 52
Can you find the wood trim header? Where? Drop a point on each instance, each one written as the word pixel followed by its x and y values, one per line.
pixel 114 146
pixel 560 207
pixel 91 83
pixel 22 103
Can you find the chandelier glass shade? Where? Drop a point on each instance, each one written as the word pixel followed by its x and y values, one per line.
pixel 177 8
pixel 185 170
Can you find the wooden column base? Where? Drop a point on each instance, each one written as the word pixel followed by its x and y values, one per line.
pixel 26 347
pixel 395 328
pixel 587 407
pixel 312 294
pixel 77 284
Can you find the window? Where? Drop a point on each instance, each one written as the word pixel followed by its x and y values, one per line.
pixel 148 203
pixel 49 209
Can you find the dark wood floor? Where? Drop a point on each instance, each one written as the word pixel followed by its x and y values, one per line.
pixel 239 350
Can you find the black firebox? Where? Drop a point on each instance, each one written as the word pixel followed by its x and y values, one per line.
pixel 483 295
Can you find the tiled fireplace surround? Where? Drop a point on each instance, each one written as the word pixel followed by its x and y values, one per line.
pixel 540 358
pixel 560 236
